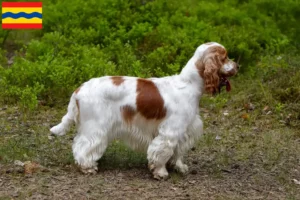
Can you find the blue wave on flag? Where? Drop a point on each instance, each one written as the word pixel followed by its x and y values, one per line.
pixel 22 14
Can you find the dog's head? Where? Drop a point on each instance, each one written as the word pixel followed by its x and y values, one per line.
pixel 214 67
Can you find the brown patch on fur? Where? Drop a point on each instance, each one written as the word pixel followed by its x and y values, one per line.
pixel 77 104
pixel 128 113
pixel 117 80
pixel 149 102
pixel 77 90
pixel 209 65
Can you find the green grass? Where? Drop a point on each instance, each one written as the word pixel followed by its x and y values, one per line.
pixel 29 140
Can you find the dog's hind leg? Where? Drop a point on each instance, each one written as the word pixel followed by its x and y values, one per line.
pixel 89 146
pixel 68 119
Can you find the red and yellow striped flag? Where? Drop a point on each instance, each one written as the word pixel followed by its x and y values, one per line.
pixel 22 15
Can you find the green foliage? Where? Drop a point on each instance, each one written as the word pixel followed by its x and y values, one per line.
pixel 86 39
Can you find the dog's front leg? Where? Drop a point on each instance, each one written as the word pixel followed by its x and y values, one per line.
pixel 159 152
pixel 194 131
pixel 163 146
pixel 176 162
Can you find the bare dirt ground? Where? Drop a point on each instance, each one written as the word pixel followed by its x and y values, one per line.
pixel 138 184
pixel 235 159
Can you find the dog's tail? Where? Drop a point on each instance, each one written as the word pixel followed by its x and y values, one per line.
pixel 68 119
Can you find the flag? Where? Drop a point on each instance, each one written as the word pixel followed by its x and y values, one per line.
pixel 22 15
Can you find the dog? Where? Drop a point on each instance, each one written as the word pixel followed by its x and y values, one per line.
pixel 159 116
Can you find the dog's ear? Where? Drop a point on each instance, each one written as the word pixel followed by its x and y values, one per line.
pixel 209 65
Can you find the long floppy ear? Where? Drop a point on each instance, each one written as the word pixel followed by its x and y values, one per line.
pixel 209 65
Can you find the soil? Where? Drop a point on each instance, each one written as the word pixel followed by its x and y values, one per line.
pixel 134 183
pixel 208 177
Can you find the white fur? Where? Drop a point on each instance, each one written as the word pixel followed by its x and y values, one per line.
pixel 99 119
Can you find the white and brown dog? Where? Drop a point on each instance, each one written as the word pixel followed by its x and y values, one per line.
pixel 157 115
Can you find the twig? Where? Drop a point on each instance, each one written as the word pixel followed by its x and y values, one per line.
pixel 5 37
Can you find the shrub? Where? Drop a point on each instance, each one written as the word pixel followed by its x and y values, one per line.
pixel 85 39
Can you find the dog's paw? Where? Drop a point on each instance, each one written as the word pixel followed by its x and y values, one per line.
pixel 160 176
pixel 90 170
pixel 159 173
pixel 182 168
pixel 58 130
pixel 151 167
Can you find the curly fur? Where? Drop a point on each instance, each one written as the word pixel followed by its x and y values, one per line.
pixel 209 66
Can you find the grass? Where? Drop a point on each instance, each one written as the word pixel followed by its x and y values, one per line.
pixel 30 140
pixel 256 153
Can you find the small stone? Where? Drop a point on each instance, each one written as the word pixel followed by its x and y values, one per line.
pixel 218 137
pixel 225 113
pixel 296 181
pixel 18 163
pixel 16 194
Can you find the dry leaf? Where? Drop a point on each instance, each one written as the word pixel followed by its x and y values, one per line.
pixel 269 112
pixel 266 108
pixel 249 106
pixel 192 182
pixel 31 167
pixel 245 116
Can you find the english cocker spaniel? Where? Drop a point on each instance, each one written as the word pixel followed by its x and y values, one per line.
pixel 157 115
